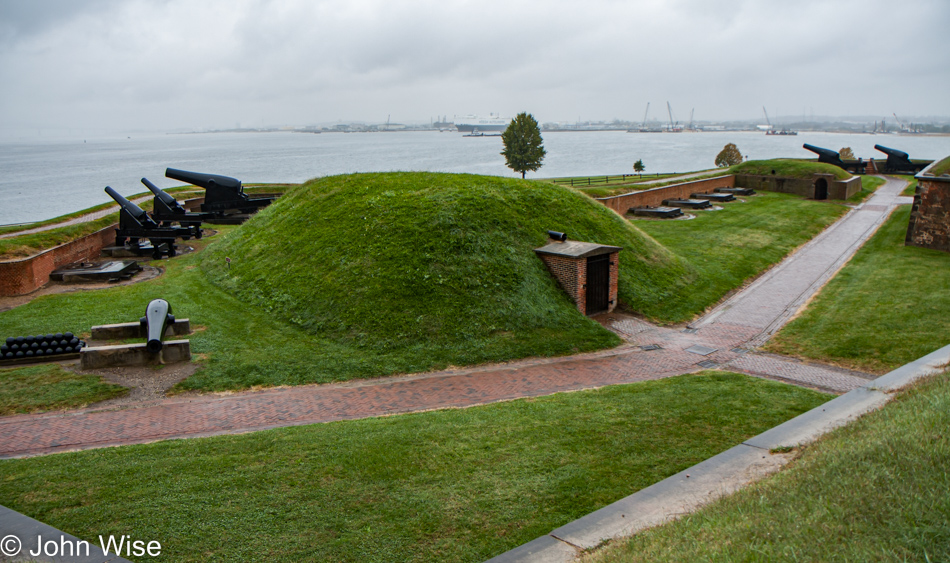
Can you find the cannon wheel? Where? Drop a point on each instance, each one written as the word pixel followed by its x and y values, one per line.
pixel 198 233
pixel 171 250
pixel 157 253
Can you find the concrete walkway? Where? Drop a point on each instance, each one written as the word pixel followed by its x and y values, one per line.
pixel 721 339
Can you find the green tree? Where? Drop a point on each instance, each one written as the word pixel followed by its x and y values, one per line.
pixel 846 154
pixel 728 156
pixel 638 167
pixel 523 147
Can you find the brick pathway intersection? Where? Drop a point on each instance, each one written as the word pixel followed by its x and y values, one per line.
pixel 720 339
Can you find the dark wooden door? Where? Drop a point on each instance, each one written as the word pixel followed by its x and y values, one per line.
pixel 598 283
pixel 821 189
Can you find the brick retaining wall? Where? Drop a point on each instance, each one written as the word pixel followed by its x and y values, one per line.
pixel 654 197
pixel 929 225
pixel 18 277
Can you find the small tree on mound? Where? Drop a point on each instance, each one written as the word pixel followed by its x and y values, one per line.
pixel 846 154
pixel 728 156
pixel 524 149
pixel 638 167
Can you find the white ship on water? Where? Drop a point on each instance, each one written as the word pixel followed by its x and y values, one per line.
pixel 476 124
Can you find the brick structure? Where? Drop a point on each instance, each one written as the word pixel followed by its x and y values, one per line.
pixel 19 277
pixel 929 225
pixel 571 261
pixel 819 186
pixel 654 197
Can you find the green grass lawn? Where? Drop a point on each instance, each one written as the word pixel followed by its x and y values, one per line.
pixel 890 305
pixel 50 387
pixel 732 245
pixel 911 188
pixel 875 490
pixel 789 168
pixel 450 485
pixel 942 167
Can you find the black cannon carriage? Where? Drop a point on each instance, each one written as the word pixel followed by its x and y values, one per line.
pixel 166 210
pixel 135 225
pixel 223 195
pixel 899 162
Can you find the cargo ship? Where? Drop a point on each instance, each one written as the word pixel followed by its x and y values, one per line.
pixel 472 123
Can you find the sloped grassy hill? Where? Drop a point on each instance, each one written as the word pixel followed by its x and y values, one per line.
pixel 438 263
pixel 790 168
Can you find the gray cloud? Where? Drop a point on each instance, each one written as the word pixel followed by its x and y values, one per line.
pixel 176 63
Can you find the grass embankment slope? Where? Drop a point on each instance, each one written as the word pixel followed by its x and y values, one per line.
pixel 942 167
pixel 449 485
pixel 789 168
pixel 890 305
pixel 438 266
pixel 875 490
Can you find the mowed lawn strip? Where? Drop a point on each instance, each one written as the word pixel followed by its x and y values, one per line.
pixel 734 244
pixel 450 485
pixel 890 305
pixel 49 387
pixel 875 490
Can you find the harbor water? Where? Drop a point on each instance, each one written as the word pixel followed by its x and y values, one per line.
pixel 44 177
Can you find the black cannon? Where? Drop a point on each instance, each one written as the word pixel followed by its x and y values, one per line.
pixel 827 156
pixel 899 162
pixel 222 193
pixel 135 224
pixel 167 210
pixel 158 315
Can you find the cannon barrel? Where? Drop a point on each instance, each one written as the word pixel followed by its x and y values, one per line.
pixel 205 181
pixel 821 151
pixel 133 210
pixel 893 152
pixel 827 156
pixel 157 317
pixel 170 201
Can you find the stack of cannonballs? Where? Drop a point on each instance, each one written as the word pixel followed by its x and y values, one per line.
pixel 20 347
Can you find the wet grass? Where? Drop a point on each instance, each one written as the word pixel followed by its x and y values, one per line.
pixel 450 485
pixel 40 388
pixel 890 305
pixel 875 490
pixel 728 247
pixel 789 168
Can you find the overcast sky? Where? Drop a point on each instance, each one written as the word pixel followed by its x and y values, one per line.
pixel 152 64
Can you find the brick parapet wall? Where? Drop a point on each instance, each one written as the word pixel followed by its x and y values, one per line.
pixel 18 277
pixel 654 197
pixel 929 225
pixel 805 187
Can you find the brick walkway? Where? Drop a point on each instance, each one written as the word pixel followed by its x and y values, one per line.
pixel 720 339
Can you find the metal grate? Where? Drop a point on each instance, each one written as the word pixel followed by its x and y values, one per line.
pixel 707 364
pixel 649 347
pixel 690 330
pixel 701 350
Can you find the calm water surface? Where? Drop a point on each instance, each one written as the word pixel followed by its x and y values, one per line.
pixel 42 177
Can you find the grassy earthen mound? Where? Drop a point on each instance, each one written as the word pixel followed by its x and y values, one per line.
pixel 442 264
